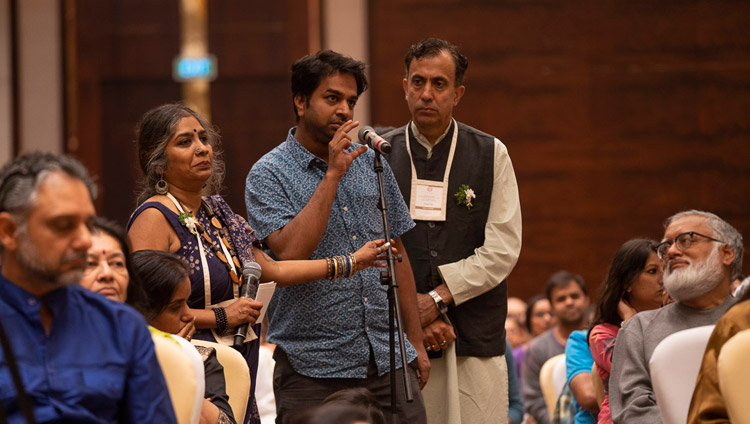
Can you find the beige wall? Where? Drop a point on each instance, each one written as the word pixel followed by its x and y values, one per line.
pixel 5 84
pixel 40 76
pixel 345 31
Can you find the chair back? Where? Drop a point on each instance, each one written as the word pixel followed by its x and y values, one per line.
pixel 734 373
pixel 236 376
pixel 182 367
pixel 550 382
pixel 674 368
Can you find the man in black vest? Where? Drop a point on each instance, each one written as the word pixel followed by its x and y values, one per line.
pixel 461 191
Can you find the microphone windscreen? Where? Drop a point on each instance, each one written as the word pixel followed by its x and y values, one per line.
pixel 362 134
pixel 251 269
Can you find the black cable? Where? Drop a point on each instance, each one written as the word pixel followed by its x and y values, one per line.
pixel 24 403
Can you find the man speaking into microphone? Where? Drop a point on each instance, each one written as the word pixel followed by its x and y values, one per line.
pixel 313 196
pixel 461 190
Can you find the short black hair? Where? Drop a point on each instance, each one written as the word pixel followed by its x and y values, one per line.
pixel 562 279
pixel 530 309
pixel 361 397
pixel 159 274
pixel 432 47
pixel 310 70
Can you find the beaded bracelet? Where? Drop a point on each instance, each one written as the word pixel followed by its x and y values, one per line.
pixel 329 267
pixel 221 320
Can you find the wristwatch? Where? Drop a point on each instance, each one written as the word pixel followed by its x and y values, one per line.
pixel 442 307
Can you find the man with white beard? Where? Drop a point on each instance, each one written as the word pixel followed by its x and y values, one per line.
pixel 700 253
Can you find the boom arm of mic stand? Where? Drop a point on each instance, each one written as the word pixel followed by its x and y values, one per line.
pixel 389 278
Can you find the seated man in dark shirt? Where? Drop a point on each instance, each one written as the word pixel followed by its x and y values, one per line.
pixel 81 357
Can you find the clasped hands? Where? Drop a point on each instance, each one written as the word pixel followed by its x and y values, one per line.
pixel 437 334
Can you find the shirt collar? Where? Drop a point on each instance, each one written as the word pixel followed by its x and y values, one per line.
pixel 21 300
pixel 300 154
pixel 422 140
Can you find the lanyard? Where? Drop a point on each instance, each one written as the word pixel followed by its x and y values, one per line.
pixel 204 260
pixel 428 198
pixel 450 155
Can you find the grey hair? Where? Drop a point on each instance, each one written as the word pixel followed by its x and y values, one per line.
pixel 723 231
pixel 155 129
pixel 21 178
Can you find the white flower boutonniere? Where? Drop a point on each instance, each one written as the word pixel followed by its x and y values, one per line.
pixel 464 196
pixel 188 221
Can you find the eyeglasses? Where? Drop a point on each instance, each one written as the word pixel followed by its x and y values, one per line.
pixel 682 241
pixel 541 314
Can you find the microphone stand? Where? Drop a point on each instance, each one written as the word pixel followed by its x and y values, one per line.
pixel 388 278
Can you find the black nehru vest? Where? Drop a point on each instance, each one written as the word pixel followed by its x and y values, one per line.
pixel 479 323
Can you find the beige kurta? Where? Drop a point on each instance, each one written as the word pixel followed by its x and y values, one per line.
pixel 473 390
pixel 466 390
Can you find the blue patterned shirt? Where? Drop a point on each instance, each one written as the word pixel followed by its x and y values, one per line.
pixel 327 327
pixel 96 365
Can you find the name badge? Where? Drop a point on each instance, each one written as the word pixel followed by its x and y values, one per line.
pixel 428 200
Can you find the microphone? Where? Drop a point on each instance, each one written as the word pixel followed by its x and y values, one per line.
pixel 369 137
pixel 249 288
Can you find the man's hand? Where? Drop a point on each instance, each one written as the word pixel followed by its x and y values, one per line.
pixel 438 335
pixel 339 160
pixel 428 311
pixel 423 366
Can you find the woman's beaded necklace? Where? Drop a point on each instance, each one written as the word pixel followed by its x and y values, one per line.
pixel 224 239
pixel 221 229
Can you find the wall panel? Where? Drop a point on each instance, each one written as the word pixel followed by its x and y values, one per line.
pixel 124 59
pixel 616 114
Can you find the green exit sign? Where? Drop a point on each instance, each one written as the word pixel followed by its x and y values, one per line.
pixel 192 68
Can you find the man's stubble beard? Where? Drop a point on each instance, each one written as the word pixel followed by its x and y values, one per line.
pixel 28 258
pixel 695 280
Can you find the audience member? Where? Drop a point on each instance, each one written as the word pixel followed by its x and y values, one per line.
pixel 633 284
pixel 515 403
pixel 568 296
pixel 736 283
pixel 179 153
pixel 539 316
pixel 707 405
pixel 107 269
pixel 517 309
pixel 578 364
pixel 464 247
pixel 82 358
pixel 361 397
pixel 311 197
pixel 701 252
pixel 163 279
pixel 334 413
pixel 516 333
pixel 539 319
pixel 741 288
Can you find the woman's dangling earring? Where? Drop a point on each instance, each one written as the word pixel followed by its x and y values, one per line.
pixel 161 186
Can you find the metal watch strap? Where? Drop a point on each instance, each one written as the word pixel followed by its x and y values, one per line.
pixel 442 307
